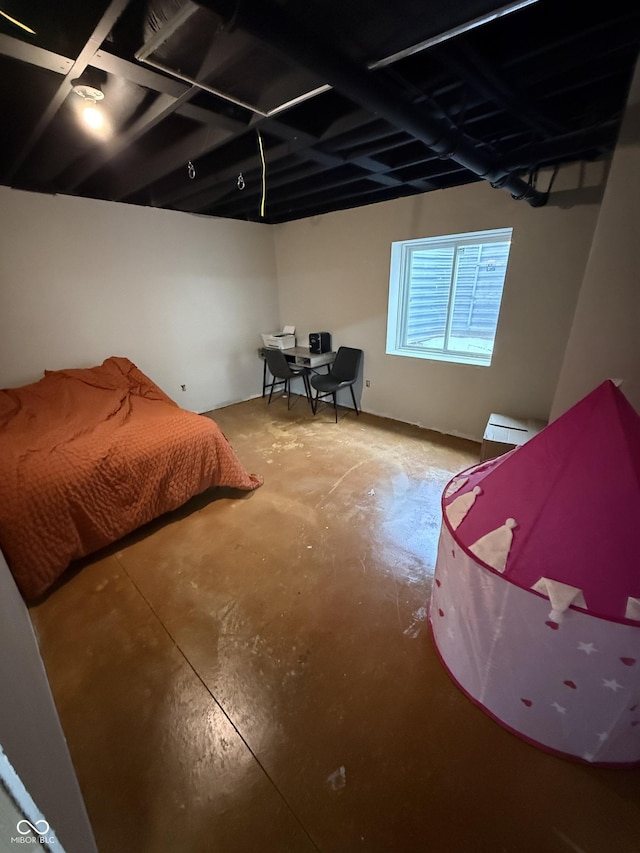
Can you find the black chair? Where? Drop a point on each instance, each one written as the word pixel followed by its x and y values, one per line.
pixel 282 372
pixel 342 374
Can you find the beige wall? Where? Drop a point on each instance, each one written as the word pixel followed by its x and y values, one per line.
pixel 333 275
pixel 605 336
pixel 185 297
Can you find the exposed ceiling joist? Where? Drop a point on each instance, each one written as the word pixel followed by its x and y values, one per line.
pixel 106 23
pixel 34 55
pixel 163 106
pixel 269 23
pixel 537 89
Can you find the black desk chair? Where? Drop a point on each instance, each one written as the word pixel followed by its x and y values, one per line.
pixel 342 374
pixel 282 372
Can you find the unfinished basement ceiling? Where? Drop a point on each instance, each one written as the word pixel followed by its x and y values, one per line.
pixel 272 111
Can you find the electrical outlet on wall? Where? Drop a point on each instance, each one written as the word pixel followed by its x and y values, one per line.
pixel 184 387
pixel 368 383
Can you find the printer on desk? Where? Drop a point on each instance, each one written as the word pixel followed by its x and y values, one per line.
pixel 286 339
pixel 319 342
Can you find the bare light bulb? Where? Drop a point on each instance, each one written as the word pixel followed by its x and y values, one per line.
pixel 91 115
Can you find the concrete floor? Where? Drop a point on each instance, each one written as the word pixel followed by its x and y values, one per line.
pixel 254 673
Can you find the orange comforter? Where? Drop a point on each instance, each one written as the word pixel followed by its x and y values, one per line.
pixel 89 455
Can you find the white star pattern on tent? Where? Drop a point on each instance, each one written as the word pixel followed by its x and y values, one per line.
pixel 587 706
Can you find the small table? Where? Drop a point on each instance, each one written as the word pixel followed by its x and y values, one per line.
pixel 302 356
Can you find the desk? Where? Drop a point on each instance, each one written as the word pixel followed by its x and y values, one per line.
pixel 301 356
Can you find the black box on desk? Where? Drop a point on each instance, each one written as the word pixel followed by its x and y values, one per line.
pixel 319 342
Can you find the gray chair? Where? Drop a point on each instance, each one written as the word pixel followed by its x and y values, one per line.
pixel 282 372
pixel 343 373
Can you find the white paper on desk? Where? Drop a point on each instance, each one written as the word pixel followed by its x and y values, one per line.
pixel 289 330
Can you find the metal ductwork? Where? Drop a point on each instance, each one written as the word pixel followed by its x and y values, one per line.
pixel 266 21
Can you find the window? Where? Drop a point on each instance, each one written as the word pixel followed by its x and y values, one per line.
pixel 445 294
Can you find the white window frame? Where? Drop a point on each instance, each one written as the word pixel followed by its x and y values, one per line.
pixel 399 288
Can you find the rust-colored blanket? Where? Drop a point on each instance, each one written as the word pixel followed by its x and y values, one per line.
pixel 89 455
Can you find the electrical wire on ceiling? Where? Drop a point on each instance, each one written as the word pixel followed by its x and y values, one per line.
pixel 17 23
pixel 264 175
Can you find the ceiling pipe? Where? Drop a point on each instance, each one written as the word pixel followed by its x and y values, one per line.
pixel 267 22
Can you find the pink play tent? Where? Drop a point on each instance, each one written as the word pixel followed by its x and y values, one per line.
pixel 535 609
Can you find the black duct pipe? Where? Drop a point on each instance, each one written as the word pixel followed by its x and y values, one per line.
pixel 267 22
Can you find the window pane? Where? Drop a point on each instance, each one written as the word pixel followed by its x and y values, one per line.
pixel 445 294
pixel 430 274
pixel 479 280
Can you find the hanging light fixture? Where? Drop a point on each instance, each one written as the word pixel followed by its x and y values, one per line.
pixel 91 113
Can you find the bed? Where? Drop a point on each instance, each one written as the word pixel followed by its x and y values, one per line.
pixel 88 455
